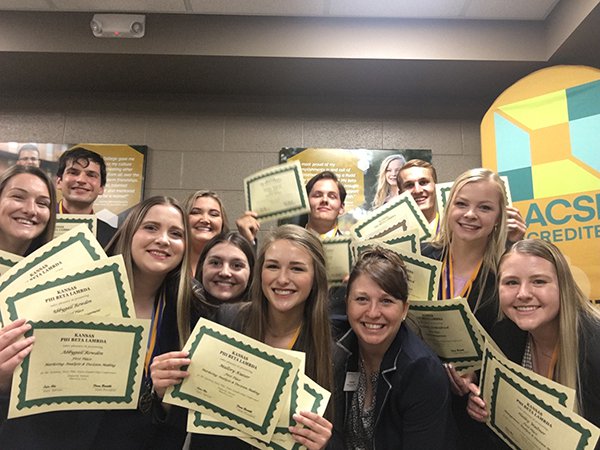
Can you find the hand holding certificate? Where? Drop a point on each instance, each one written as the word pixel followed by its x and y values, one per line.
pixel 529 411
pixel 80 364
pixel 235 379
pixel 277 192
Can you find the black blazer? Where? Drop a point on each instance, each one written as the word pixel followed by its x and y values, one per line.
pixel 412 405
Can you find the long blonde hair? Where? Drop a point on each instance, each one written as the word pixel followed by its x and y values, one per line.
pixel 177 283
pixel 575 311
pixel 496 242
pixel 383 188
pixel 315 337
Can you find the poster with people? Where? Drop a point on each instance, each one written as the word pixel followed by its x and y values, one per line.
pixel 368 175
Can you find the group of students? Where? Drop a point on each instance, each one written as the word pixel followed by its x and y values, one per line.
pixel 389 390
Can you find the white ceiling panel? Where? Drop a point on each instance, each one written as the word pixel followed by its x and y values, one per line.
pixel 24 5
pixel 150 6
pixel 510 9
pixel 310 8
pixel 430 9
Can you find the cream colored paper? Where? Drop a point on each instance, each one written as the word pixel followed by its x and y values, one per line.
pixel 401 214
pixel 451 330
pixel 206 424
pixel 63 254
pixel 8 260
pixel 235 379
pixel 311 397
pixel 66 222
pixel 338 257
pixel 530 411
pixel 80 363
pixel 98 288
pixel 403 241
pixel 277 192
pixel 545 389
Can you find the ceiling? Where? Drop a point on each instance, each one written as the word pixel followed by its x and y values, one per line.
pixel 387 51
pixel 414 9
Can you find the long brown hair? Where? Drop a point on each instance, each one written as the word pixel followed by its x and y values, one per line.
pixel 315 337
pixel 48 233
pixel 177 283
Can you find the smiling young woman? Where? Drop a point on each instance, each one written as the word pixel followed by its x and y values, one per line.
pixel 287 308
pixel 153 242
pixel 206 219
pixel 225 269
pixel 549 325
pixel 27 209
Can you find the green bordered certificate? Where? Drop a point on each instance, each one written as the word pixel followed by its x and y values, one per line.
pixel 206 424
pixel 406 242
pixel 338 255
pixel 67 252
pixel 80 364
pixel 311 397
pixel 529 411
pixel 235 379
pixel 401 214
pixel 99 288
pixel 66 222
pixel 451 330
pixel 277 192
pixel 8 260
pixel 546 390
pixel 423 273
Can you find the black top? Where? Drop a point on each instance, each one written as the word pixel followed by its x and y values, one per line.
pixel 487 313
pixel 412 404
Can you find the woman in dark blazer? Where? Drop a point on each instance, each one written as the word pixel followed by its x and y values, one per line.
pixel 391 389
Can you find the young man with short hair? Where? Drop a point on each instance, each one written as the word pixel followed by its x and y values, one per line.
pixel 81 176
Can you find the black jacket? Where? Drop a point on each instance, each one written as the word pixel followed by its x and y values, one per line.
pixel 412 405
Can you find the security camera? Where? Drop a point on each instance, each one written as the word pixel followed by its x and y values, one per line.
pixel 118 25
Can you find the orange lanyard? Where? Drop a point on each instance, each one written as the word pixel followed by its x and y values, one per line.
pixel 553 362
pixel 448 279
pixel 154 331
pixel 294 338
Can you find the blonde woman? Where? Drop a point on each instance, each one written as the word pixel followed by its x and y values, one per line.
pixel 206 219
pixel 387 185
pixel 548 325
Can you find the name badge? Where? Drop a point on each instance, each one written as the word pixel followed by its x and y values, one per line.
pixel 351 383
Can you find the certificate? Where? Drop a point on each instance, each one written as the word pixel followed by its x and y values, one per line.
pixel 80 364
pixel 7 260
pixel 206 424
pixel 400 214
pixel 66 222
pixel 277 192
pixel 406 242
pixel 451 330
pixel 548 391
pixel 338 256
pixel 99 288
pixel 525 421
pixel 311 397
pixel 237 380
